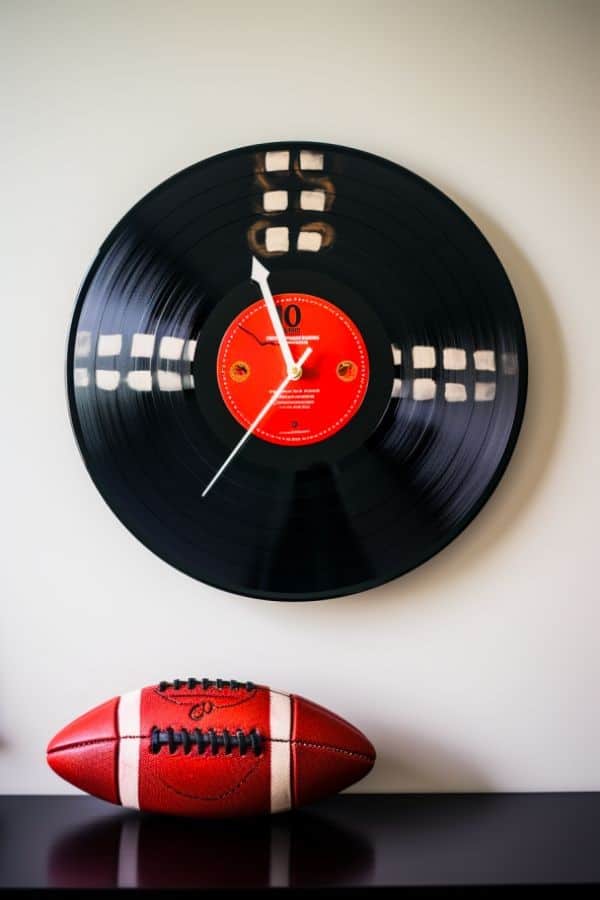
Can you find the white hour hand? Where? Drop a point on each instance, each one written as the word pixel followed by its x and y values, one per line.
pixel 260 275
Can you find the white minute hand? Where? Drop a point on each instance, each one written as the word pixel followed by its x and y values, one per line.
pixel 260 275
pixel 273 399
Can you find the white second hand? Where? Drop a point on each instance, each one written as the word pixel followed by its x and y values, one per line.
pixel 276 395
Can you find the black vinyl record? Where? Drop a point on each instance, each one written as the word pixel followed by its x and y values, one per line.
pixel 370 456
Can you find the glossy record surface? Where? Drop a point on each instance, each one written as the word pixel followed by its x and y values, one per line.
pixel 446 358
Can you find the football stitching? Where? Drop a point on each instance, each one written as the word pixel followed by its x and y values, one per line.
pixel 181 698
pixel 233 790
pixel 104 740
pixel 310 744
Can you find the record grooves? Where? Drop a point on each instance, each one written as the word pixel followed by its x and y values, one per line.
pixel 371 458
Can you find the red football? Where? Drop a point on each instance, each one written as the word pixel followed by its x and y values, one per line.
pixel 210 748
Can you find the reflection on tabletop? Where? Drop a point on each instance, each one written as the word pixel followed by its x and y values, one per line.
pixel 140 850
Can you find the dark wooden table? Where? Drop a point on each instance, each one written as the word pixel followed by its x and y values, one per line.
pixel 348 841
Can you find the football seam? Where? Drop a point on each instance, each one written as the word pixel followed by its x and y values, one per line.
pixel 313 745
pixel 186 699
pixel 232 790
pixel 104 740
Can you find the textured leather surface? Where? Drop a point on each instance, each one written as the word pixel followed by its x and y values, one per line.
pixel 311 722
pixel 206 784
pixel 327 754
pixel 85 752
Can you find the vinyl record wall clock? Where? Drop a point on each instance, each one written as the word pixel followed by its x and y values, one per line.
pixel 296 370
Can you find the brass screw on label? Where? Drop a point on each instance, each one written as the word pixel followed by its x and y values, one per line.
pixel 239 371
pixel 347 370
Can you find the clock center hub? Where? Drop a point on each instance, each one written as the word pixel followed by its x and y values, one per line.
pixel 321 396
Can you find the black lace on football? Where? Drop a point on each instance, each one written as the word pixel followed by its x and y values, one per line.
pixel 202 741
pixel 205 683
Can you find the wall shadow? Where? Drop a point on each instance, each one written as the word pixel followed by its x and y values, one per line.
pixel 416 764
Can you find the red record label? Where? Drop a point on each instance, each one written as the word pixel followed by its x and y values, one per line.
pixel 334 380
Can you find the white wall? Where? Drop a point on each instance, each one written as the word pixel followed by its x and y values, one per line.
pixel 481 669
